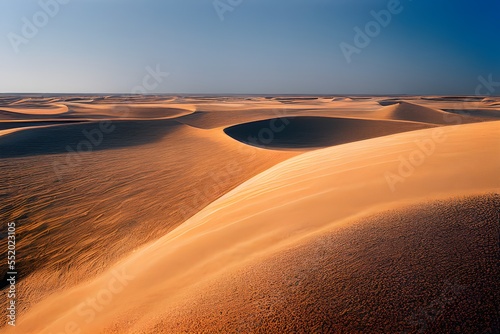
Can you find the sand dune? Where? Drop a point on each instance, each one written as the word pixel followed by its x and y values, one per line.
pixel 225 115
pixel 452 98
pixel 224 236
pixel 70 206
pixel 218 119
pixel 469 103
pixel 130 110
pixel 218 116
pixel 8 115
pixel 416 113
pixel 401 271
pixel 37 109
pixel 34 123
pixel 301 199
pixel 486 113
pixel 310 131
pixel 87 136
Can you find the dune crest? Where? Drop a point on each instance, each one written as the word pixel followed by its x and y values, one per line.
pixel 296 199
pixel 413 112
pixel 37 109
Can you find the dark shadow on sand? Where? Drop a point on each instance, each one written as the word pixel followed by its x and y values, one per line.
pixel 312 131
pixel 65 138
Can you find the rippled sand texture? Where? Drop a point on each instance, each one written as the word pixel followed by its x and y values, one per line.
pixel 253 214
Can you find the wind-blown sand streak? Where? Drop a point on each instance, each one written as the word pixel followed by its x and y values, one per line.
pixel 305 196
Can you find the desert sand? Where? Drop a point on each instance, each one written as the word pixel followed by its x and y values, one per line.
pixel 275 214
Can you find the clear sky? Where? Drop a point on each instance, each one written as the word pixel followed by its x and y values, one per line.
pixel 248 46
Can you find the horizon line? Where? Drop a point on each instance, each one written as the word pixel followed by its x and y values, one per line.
pixel 245 94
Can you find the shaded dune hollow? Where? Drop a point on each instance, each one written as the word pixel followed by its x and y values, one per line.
pixel 84 137
pixel 313 132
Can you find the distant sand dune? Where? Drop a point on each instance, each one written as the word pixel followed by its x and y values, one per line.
pixel 415 113
pixel 487 113
pixel 138 111
pixel 452 98
pixel 35 123
pixel 37 109
pixel 208 117
pixel 212 120
pixel 390 102
pixel 8 115
pixel 359 98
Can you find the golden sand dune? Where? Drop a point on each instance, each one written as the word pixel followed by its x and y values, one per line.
pixel 491 100
pixel 166 160
pixel 121 111
pixel 36 109
pixel 81 202
pixel 452 98
pixel 216 116
pixel 296 99
pixel 19 124
pixel 416 113
pixel 9 115
pixel 471 103
pixel 32 101
pixel 272 223
pixel 430 267
pixel 219 119
pixel 486 113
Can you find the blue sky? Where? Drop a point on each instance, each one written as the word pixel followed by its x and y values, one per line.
pixel 261 46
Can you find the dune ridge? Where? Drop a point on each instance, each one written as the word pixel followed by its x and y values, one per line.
pixel 170 167
pixel 400 271
pixel 69 206
pixel 37 109
pixel 298 198
pixel 413 112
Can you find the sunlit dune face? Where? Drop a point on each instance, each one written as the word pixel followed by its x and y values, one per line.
pixel 36 109
pixel 251 214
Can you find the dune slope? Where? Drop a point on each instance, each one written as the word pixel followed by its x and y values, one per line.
pixel 430 267
pixel 413 112
pixel 304 197
pixel 144 179
pixel 84 137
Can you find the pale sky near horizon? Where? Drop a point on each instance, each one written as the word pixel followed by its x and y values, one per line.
pixel 260 46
